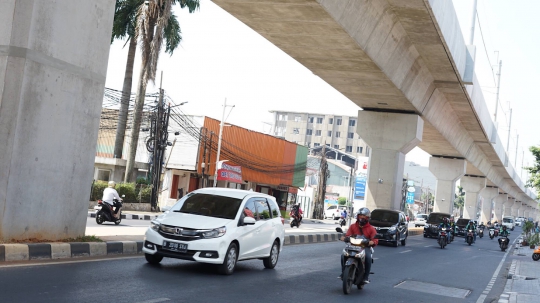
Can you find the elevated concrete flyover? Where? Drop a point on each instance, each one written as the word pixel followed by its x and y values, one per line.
pixel 397 60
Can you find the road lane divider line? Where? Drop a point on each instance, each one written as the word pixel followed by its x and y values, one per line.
pixel 406 251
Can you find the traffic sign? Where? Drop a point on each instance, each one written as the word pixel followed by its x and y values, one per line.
pixel 410 198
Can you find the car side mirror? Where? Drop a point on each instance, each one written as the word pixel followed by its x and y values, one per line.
pixel 249 221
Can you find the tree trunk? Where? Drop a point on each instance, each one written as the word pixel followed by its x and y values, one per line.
pixel 124 103
pixel 136 126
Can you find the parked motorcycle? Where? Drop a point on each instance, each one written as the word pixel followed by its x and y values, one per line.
pixel 503 243
pixel 442 239
pixel 536 254
pixel 470 237
pixel 106 212
pixel 355 262
pixel 491 233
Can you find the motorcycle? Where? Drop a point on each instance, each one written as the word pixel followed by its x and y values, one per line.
pixel 452 232
pixel 503 243
pixel 355 260
pixel 480 232
pixel 342 222
pixel 491 233
pixel 295 222
pixel 536 254
pixel 442 239
pixel 106 213
pixel 470 237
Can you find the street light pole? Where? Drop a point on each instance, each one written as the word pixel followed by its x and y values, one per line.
pixel 219 141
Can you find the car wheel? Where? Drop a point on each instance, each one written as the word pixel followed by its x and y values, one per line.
pixel 425 236
pixel 229 263
pixel 153 259
pixel 404 241
pixel 272 260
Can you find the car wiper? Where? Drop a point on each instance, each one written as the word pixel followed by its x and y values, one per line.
pixel 189 212
pixel 219 216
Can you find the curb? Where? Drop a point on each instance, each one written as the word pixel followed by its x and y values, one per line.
pixel 53 251
pixel 130 216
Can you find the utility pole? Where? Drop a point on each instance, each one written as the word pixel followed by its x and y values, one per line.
pixel 509 128
pixel 471 38
pixel 204 132
pixel 219 140
pixel 515 160
pixel 208 157
pixel 522 158
pixel 498 88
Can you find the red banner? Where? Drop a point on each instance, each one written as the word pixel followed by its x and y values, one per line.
pixel 230 173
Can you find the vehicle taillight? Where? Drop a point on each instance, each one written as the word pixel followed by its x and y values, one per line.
pixel 282 221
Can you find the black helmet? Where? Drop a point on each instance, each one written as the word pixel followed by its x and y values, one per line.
pixel 504 227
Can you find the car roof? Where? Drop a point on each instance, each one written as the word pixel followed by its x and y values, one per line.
pixel 230 192
pixel 387 210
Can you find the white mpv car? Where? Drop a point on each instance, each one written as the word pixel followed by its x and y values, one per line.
pixel 218 226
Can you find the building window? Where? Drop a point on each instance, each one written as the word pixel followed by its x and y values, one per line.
pixel 296 131
pixel 338 121
pixel 318 133
pixel 330 120
pixel 338 134
pixel 297 118
pixel 316 144
pixel 309 132
pixel 348 149
pixel 352 122
pixel 310 119
pixel 104 175
pixel 280 131
pixel 319 120
pixel 359 149
pixel 350 135
pixel 282 117
pixel 367 151
pixel 336 146
pixel 329 133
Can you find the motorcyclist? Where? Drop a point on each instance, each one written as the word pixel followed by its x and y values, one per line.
pixel 471 226
pixel 362 227
pixel 446 224
pixel 503 232
pixel 109 194
pixel 297 213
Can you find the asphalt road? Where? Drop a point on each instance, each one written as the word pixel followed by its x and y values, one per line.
pixel 305 273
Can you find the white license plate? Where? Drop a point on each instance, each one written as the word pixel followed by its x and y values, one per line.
pixel 179 247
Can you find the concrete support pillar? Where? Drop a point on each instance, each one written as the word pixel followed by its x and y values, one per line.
pixel 499 201
pixel 507 210
pixel 488 193
pixel 390 136
pixel 447 172
pixel 53 63
pixel 515 209
pixel 522 209
pixel 471 186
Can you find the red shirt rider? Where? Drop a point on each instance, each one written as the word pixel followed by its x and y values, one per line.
pixel 367 231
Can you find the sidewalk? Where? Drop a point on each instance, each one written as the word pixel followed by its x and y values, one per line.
pixel 523 284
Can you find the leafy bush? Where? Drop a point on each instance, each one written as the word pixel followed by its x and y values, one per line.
pixel 145 194
pixel 127 189
pixel 142 180
pixel 342 200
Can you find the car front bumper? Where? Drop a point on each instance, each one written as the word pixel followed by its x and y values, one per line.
pixel 205 250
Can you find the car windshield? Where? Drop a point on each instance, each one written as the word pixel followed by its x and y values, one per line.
pixel 462 222
pixel 424 217
pixel 209 205
pixel 437 218
pixel 507 220
pixel 384 217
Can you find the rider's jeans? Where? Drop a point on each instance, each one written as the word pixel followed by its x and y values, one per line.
pixel 368 263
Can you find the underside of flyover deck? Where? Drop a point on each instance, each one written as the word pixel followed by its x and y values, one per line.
pixel 386 55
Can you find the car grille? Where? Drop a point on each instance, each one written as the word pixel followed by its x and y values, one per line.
pixel 179 233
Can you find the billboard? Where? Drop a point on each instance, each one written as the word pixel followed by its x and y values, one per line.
pixel 361 178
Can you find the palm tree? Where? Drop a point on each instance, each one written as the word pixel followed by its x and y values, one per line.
pixel 459 202
pixel 154 23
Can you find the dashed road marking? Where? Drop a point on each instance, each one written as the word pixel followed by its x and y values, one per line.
pixel 405 251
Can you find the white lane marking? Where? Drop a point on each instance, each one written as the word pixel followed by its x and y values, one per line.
pixel 155 300
pixel 427 246
pixel 494 277
pixel 59 261
pixel 406 251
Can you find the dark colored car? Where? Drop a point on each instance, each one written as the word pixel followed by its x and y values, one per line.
pixel 460 227
pixel 391 226
pixel 431 229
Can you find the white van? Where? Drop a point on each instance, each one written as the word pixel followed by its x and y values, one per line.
pixel 508 222
pixel 420 220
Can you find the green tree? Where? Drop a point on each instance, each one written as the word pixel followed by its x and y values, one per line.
pixel 534 171
pixel 148 24
pixel 342 201
pixel 459 201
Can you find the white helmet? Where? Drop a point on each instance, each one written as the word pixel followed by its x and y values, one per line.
pixel 112 184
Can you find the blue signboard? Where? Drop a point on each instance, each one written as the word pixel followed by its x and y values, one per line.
pixel 360 188
pixel 410 198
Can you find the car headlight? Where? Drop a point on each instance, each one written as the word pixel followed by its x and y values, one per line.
pixel 392 229
pixel 215 233
pixel 155 225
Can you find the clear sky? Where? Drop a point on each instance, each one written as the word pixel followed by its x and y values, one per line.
pixel 220 58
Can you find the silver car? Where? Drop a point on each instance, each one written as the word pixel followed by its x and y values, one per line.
pixel 420 220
